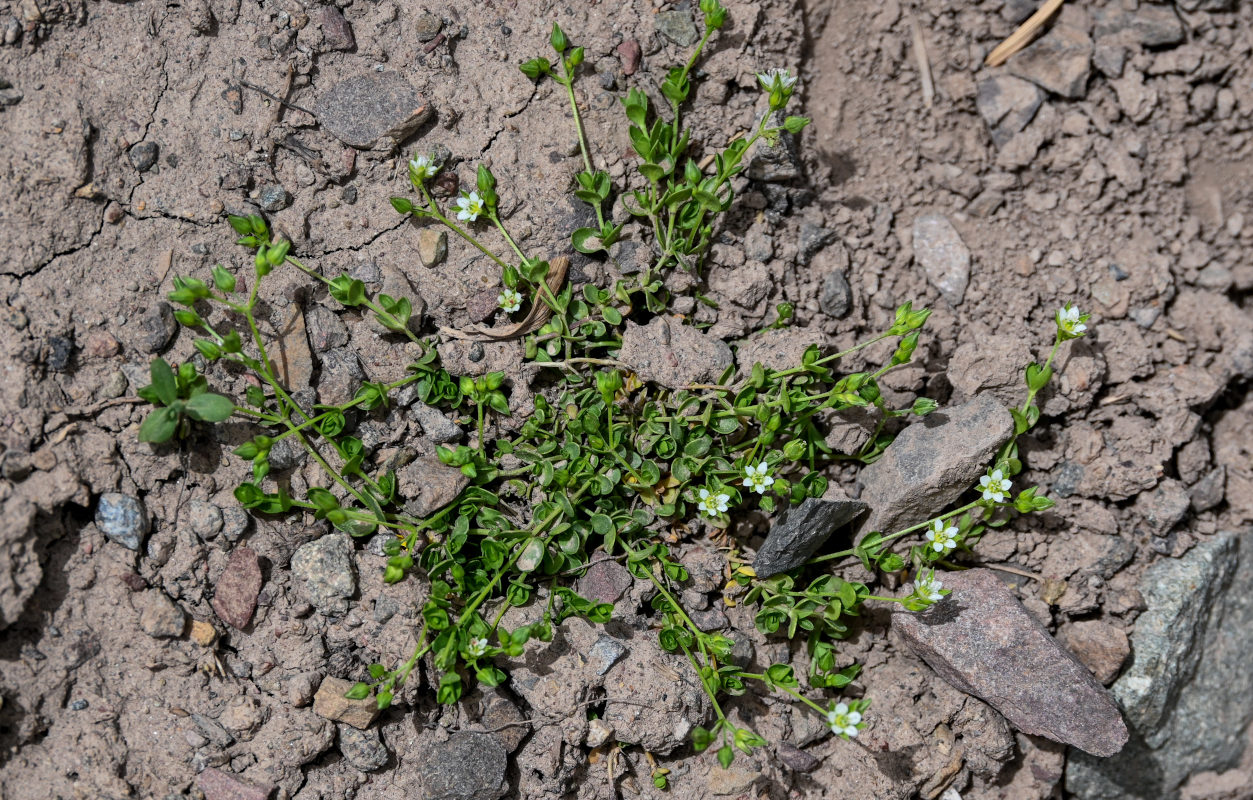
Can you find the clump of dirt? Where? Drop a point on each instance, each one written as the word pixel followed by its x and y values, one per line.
pixel 1107 167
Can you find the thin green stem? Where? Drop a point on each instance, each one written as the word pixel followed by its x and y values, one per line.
pixel 432 209
pixel 568 82
pixel 894 536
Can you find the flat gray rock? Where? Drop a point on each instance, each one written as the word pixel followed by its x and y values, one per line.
pixel 982 641
pixel 1007 104
pixel 943 256
pixel 377 109
pixel 1060 61
pixel 800 531
pixel 932 462
pixel 468 766
pixel 672 354
pixel 1186 693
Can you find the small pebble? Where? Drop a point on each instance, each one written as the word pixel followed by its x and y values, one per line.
pixel 122 519
pixel 273 197
pixel 143 156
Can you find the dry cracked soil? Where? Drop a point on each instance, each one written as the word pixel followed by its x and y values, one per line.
pixel 157 642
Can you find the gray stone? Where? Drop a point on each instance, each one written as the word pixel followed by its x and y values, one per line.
pixel 800 531
pixel 160 618
pixel 678 27
pixel 810 240
pixel 606 652
pixel 234 523
pixel 796 759
pixel 1060 61
pixel 836 299
pixel 1007 104
pixel 468 766
pixel 1149 25
pixel 213 730
pixel 672 354
pixel 1186 693
pixel 205 519
pixel 326 330
pixel 774 163
pixel 932 462
pixel 219 785
pixel 1164 507
pixel 943 256
pixel 143 156
pixel 157 328
pixel 428 26
pixel 362 749
pixel 983 642
pixel 758 244
pixel 330 703
pixel 374 109
pixel 432 246
pixel 435 425
pixel 273 197
pixel 427 485
pixel 122 519
pixel 341 376
pixel 58 352
pixel 324 570
pixel 1209 491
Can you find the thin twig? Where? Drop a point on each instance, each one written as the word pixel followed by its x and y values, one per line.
pixel 275 97
pixel 924 63
pixel 1021 37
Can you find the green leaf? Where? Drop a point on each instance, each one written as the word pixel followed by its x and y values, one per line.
pixel 587 240
pixel 726 755
pixel 224 280
pixel 160 425
pixel 403 205
pixel 535 68
pixel 163 384
pixel 359 691
pixel 209 407
pixel 794 125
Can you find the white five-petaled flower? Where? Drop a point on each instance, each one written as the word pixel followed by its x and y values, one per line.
pixel 842 721
pixel 477 647
pixel 942 538
pixel 994 486
pixel 776 78
pixel 757 478
pixel 1068 319
pixel 927 587
pixel 422 167
pixel 470 205
pixel 713 504
pixel 510 300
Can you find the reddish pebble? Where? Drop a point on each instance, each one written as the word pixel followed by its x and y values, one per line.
pixel 629 52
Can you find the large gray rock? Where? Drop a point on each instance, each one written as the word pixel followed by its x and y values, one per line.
pixel 468 766
pixel 982 641
pixel 323 568
pixel 1060 61
pixel 800 531
pixel 932 462
pixel 377 109
pixel 673 355
pixel 1186 693
pixel 943 256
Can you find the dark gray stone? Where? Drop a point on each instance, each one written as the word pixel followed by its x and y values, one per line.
pixel 983 642
pixel 797 759
pixel 363 749
pixel 800 531
pixel 1209 491
pixel 143 156
pixel 428 26
pixel 1149 25
pixel 777 163
pixel 122 519
pixel 157 328
pixel 606 652
pixel 811 239
pixel 58 352
pixel 435 425
pixel 1007 104
pixel 678 27
pixel 336 31
pixel 932 462
pixel 324 570
pixel 273 197
pixel 1186 693
pixel 1060 61
pixel 468 766
pixel 213 730
pixel 326 330
pixel 234 523
pixel 341 376
pixel 836 299
pixel 375 109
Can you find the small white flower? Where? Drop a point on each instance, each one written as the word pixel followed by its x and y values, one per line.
pixel 1068 319
pixel 421 167
pixel 477 647
pixel 758 478
pixel 776 78
pixel 927 587
pixel 943 539
pixel 510 300
pixel 994 486
pixel 713 504
pixel 470 205
pixel 842 721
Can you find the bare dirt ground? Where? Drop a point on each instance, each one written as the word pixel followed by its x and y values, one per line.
pixel 1109 167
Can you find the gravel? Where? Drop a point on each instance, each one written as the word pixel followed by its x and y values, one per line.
pixel 122 519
